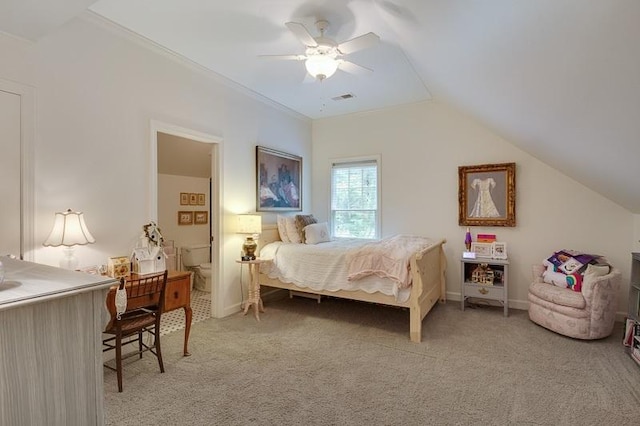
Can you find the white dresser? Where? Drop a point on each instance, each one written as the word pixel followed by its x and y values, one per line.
pixel 51 322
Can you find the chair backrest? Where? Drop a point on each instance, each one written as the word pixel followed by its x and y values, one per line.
pixel 145 291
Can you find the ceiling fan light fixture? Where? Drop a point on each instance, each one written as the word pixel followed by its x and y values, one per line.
pixel 321 66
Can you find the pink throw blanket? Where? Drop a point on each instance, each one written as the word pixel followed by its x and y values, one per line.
pixel 387 258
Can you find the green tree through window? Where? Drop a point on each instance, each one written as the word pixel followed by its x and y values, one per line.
pixel 354 199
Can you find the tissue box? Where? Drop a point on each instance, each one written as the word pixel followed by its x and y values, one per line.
pixel 118 267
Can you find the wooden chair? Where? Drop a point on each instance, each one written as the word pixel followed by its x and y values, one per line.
pixel 145 300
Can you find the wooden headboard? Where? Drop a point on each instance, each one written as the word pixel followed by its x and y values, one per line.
pixel 269 234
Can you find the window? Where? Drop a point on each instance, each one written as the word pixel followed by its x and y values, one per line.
pixel 354 198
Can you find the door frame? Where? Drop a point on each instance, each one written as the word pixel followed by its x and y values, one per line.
pixel 27 138
pixel 216 197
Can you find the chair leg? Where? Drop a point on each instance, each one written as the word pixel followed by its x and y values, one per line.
pixel 119 360
pixel 140 344
pixel 156 343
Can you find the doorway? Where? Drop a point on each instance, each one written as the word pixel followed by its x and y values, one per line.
pixel 212 145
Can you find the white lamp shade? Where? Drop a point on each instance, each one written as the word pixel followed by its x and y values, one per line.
pixel 321 66
pixel 249 224
pixel 69 230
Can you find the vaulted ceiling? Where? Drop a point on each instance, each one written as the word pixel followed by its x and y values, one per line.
pixel 558 78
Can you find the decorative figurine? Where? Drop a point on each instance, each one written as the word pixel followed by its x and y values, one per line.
pixel 467 239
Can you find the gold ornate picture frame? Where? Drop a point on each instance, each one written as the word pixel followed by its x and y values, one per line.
pixel 487 195
pixel 278 181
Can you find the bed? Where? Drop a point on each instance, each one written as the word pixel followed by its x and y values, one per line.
pixel 426 276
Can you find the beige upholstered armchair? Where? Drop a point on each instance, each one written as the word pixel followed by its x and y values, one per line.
pixel 588 314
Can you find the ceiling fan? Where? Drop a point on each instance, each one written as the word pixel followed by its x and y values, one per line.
pixel 323 55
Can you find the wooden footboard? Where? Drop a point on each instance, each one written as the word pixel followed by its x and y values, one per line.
pixel 427 269
pixel 428 284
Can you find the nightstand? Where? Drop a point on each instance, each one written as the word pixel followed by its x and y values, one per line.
pixel 254 286
pixel 489 286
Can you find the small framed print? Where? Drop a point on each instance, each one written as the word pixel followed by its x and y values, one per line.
pixel 201 199
pixel 184 198
pixel 201 218
pixel 193 199
pixel 499 250
pixel 482 249
pixel 185 218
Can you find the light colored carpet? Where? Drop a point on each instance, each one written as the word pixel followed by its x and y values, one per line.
pixel 350 363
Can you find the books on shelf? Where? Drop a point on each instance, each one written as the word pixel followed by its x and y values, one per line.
pixel 485 238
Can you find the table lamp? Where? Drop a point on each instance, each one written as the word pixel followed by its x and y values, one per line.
pixel 249 224
pixel 69 230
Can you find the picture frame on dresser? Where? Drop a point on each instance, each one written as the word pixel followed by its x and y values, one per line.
pixel 499 250
pixel 483 250
pixel 278 180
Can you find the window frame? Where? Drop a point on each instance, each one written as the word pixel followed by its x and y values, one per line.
pixel 345 161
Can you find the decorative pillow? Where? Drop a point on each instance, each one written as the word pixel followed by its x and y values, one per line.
pixel 292 230
pixel 574 281
pixel 599 270
pixel 282 229
pixel 317 233
pixel 552 276
pixel 302 220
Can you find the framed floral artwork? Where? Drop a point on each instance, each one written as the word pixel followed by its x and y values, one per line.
pixel 201 218
pixel 201 199
pixel 487 195
pixel 279 179
pixel 193 199
pixel 184 198
pixel 185 218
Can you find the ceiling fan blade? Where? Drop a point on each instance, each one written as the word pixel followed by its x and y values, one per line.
pixel 352 68
pixel 285 57
pixel 301 32
pixel 358 43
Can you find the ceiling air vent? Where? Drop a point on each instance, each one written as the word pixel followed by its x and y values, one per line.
pixel 344 97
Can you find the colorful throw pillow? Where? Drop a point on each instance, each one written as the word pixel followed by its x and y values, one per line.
pixel 302 220
pixel 574 281
pixel 282 229
pixel 317 233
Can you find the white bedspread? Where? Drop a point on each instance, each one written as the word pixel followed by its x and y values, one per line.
pixel 323 267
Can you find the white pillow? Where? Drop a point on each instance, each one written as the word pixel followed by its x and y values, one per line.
pixel 282 229
pixel 292 230
pixel 317 233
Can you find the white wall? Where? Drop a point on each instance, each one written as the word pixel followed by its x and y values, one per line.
pixel 636 233
pixel 97 90
pixel 421 147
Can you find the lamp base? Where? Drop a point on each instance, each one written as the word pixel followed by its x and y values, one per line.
pixel 249 247
pixel 69 261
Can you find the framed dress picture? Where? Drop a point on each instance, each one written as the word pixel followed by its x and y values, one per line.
pixel 279 179
pixel 487 195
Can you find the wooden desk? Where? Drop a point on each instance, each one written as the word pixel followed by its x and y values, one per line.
pixel 176 295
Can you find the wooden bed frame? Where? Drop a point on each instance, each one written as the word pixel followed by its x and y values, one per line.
pixel 427 270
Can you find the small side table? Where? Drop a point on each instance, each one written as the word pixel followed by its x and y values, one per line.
pixel 497 291
pixel 254 287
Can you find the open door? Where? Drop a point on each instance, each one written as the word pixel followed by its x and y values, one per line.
pixel 213 146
